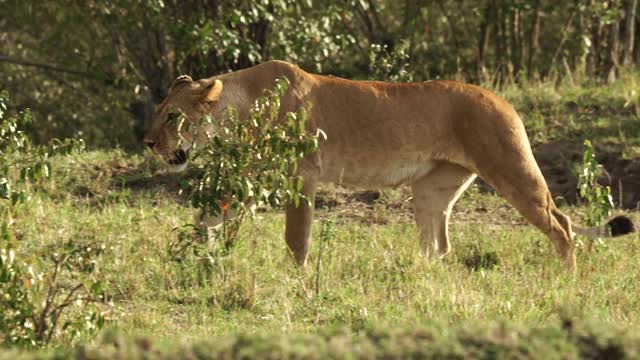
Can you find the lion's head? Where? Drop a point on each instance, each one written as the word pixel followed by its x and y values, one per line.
pixel 187 102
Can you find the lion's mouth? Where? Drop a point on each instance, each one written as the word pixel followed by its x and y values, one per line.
pixel 179 158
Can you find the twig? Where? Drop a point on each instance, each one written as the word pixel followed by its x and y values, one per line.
pixel 564 38
pixel 318 267
pixel 57 311
pixel 22 62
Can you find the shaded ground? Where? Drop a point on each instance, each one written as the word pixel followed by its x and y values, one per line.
pixel 559 161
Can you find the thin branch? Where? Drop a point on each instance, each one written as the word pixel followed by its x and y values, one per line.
pixel 366 21
pixel 57 311
pixel 347 25
pixel 565 36
pixel 376 18
pixel 51 294
pixel 452 29
pixel 22 62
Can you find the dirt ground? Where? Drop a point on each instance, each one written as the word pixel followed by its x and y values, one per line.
pixel 559 163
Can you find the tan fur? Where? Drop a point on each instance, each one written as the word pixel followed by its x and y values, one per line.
pixel 435 136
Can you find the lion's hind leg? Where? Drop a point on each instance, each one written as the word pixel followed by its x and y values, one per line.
pixel 433 197
pixel 525 188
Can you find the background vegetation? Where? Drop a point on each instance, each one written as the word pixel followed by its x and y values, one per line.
pixel 501 291
pixel 92 232
pixel 95 69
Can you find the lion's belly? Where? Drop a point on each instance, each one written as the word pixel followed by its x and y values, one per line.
pixel 374 170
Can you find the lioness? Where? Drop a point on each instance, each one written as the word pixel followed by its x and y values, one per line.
pixel 436 136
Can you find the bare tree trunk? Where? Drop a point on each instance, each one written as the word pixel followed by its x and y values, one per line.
pixel 452 28
pixel 375 30
pixel 565 35
pixel 637 48
pixel 593 60
pixel 629 36
pixel 582 31
pixel 499 44
pixel 534 40
pixel 507 40
pixel 516 40
pixel 613 48
pixel 483 43
pixel 387 38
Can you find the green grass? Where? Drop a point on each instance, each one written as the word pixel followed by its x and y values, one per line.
pixel 497 340
pixel 574 112
pixel 502 273
pixel 370 274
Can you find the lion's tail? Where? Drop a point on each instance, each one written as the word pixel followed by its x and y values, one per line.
pixel 618 226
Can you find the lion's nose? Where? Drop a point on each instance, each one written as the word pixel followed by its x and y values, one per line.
pixel 150 143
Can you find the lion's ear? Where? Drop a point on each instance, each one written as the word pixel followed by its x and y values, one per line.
pixel 213 91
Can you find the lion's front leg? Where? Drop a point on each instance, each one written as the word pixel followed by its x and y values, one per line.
pixel 298 224
pixel 211 225
pixel 208 222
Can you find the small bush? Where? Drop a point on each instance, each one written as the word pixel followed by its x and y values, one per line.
pixel 35 294
pixel 597 197
pixel 246 163
pixel 390 65
pixel 35 302
pixel 20 160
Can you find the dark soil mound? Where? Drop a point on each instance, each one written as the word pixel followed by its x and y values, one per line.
pixel 560 160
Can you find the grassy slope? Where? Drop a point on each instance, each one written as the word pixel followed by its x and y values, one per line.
pixel 565 111
pixel 371 275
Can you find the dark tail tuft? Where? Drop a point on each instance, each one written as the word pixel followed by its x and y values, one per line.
pixel 620 225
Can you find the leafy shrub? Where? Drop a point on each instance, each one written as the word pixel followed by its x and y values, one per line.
pixel 390 65
pixel 250 162
pixel 33 302
pixel 35 293
pixel 597 197
pixel 19 158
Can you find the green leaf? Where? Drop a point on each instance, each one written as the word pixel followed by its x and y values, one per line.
pixel 97 289
pixel 300 184
pixel 18 197
pixel 5 188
